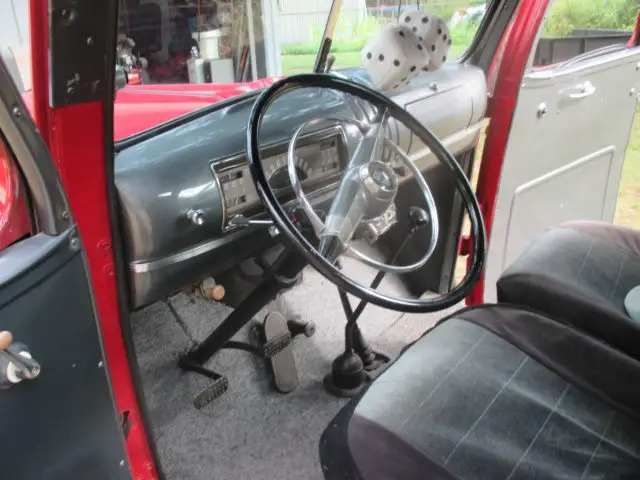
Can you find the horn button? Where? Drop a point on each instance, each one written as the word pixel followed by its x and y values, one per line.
pixel 380 185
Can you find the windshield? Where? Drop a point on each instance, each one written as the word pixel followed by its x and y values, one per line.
pixel 182 55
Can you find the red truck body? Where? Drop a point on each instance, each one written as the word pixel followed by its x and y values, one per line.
pixel 137 108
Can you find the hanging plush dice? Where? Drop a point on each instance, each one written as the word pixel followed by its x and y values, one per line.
pixel 394 57
pixel 397 54
pixel 433 33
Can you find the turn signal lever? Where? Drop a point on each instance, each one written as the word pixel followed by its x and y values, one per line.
pixel 16 362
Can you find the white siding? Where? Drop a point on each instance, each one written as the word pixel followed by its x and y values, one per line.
pixel 14 40
pixel 298 19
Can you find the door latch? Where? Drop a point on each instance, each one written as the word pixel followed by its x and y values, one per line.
pixel 581 91
pixel 16 362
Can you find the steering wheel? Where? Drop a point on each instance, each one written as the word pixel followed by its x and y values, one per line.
pixel 366 190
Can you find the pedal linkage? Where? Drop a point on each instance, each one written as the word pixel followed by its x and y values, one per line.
pixel 281 271
pixel 266 349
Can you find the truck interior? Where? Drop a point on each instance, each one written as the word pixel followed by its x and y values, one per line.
pixel 403 268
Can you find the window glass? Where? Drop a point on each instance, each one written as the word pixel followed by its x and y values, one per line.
pixel 575 27
pixel 361 20
pixel 182 55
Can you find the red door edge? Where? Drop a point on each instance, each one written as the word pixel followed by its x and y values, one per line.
pixel 634 41
pixel 511 69
pixel 81 165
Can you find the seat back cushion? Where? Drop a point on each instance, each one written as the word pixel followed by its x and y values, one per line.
pixel 578 278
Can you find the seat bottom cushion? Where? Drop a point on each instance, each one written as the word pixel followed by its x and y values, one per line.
pixel 464 403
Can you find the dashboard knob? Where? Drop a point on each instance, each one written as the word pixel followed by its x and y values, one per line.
pixel 196 217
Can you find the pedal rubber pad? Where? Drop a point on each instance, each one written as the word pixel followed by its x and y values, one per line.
pixel 208 394
pixel 283 364
pixel 277 344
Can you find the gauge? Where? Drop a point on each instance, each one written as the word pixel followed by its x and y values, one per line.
pixel 279 178
pixel 237 188
pixel 315 162
pixel 278 173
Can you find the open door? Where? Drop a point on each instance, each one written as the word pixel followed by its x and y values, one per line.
pixel 62 424
pixel 565 149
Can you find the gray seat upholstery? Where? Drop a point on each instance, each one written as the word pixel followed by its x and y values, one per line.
pixel 580 273
pixel 493 392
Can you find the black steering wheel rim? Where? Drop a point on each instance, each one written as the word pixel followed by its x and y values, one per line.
pixel 296 238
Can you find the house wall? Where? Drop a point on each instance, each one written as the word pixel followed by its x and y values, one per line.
pixel 298 20
pixel 14 40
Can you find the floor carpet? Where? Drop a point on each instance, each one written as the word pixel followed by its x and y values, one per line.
pixel 253 432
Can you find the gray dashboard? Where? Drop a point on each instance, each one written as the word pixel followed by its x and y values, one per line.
pixel 163 180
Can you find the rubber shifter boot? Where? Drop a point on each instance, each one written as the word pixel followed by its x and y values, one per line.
pixel 632 303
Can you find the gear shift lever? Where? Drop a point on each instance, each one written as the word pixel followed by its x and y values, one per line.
pixel 348 371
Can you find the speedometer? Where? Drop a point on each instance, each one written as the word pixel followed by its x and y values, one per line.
pixel 278 173
pixel 314 161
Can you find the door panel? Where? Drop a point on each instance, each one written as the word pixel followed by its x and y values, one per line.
pixel 62 424
pixel 565 151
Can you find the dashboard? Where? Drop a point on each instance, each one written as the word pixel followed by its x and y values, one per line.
pixel 178 186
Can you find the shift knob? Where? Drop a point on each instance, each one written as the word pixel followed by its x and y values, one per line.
pixel 418 217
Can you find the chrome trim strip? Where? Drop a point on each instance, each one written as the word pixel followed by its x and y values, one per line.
pixel 454 139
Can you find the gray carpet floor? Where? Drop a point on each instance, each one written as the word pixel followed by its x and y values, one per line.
pixel 254 432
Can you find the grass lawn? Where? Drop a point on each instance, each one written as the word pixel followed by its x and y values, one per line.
pixel 292 64
pixel 628 207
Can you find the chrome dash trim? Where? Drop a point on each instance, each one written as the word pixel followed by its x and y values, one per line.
pixel 227 237
pixel 239 160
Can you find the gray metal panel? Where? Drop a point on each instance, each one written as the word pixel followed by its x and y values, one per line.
pixel 160 178
pixel 63 424
pixel 565 164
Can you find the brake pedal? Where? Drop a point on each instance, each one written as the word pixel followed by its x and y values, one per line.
pixel 278 342
pixel 208 394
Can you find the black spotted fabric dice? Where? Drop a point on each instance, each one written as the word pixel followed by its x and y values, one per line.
pixel 433 34
pixel 394 57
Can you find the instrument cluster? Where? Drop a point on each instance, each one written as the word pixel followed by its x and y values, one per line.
pixel 319 161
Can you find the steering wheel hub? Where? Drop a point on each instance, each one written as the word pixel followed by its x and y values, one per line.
pixel 379 180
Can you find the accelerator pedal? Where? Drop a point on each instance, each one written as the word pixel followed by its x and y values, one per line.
pixel 208 394
pixel 218 386
pixel 279 351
